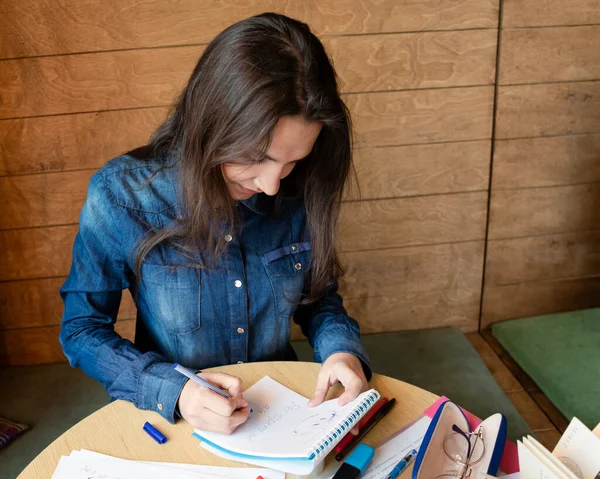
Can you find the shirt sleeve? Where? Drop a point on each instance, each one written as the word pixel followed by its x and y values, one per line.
pixel 331 330
pixel 92 294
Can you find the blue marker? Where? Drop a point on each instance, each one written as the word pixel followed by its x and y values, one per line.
pixel 154 433
pixel 402 465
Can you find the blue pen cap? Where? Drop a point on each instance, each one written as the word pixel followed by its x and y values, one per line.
pixel 360 457
pixel 154 433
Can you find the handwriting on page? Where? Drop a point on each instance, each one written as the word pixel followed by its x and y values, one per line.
pixel 284 426
pixel 306 424
pixel 92 473
pixel 269 420
pixel 316 422
pixel 71 468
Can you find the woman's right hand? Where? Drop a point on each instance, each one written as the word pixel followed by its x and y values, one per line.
pixel 205 409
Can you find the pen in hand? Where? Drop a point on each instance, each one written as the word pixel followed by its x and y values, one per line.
pixel 402 465
pixel 203 382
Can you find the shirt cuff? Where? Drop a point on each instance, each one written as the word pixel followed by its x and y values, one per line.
pixel 346 341
pixel 159 390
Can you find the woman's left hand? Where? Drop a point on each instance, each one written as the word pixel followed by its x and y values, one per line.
pixel 345 368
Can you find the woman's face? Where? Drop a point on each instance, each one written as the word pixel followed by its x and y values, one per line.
pixel 293 140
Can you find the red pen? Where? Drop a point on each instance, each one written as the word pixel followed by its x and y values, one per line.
pixel 348 437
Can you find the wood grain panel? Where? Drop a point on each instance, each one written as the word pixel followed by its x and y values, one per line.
pixel 414 60
pixel 43 200
pixel 57 198
pixel 371 224
pixel 425 116
pixel 37 252
pixel 415 270
pixel 523 300
pixel 413 287
pixel 143 78
pixel 550 54
pixel 431 309
pixel 33 303
pixel 546 161
pixel 550 109
pixel 539 211
pixel 89 140
pixel 533 13
pixel 395 223
pixel 93 82
pixel 23 347
pixel 70 142
pixel 388 172
pixel 407 307
pixel 543 258
pixel 452 270
pixel 43 27
pixel 412 270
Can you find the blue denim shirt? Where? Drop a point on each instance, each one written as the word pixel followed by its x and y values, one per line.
pixel 236 312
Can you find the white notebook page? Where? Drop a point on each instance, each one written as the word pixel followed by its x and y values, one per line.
pixel 282 424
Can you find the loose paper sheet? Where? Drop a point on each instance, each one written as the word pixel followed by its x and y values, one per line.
pixel 91 465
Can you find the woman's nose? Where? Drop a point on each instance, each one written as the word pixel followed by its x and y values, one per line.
pixel 268 182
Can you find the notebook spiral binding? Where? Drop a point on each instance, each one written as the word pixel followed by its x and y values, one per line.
pixel 327 442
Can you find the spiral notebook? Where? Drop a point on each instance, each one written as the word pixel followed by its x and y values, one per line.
pixel 282 432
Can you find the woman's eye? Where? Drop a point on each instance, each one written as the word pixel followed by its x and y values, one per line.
pixel 252 160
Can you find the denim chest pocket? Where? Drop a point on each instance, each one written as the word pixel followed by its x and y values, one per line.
pixel 173 296
pixel 286 267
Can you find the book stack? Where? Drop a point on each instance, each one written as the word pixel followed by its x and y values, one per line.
pixel 576 456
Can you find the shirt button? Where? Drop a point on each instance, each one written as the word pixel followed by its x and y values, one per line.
pixel 228 238
pixel 298 266
pixel 240 362
pixel 237 283
pixel 240 330
pixel 160 406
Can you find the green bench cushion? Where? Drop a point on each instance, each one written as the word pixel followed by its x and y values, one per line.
pixel 561 353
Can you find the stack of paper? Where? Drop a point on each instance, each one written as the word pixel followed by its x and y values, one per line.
pixel 576 456
pixel 87 465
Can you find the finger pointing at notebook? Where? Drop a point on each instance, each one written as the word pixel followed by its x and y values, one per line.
pixel 207 410
pixel 345 368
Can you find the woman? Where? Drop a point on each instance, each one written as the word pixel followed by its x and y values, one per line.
pixel 222 227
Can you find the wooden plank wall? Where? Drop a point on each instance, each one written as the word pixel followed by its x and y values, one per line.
pixel 82 81
pixel 543 253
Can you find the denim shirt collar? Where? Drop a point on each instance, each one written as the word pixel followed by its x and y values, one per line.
pixel 257 203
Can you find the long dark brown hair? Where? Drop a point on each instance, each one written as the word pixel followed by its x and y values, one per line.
pixel 252 74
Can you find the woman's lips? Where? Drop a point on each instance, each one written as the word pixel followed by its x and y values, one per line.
pixel 247 191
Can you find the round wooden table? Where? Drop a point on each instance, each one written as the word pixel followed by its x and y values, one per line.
pixel 116 429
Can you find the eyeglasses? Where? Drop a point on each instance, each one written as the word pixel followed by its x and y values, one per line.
pixel 464 453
